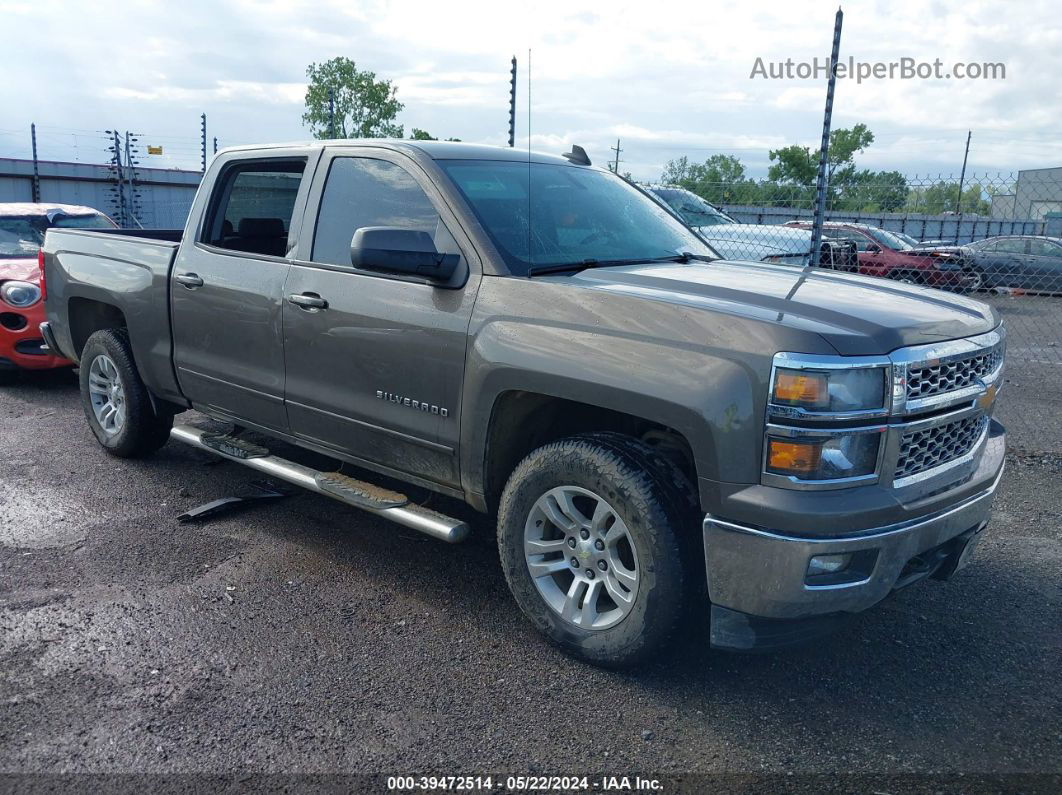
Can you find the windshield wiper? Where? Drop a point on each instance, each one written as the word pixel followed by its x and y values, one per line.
pixel 684 257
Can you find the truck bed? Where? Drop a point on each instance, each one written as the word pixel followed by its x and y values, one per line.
pixel 124 268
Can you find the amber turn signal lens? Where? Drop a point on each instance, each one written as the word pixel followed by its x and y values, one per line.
pixel 801 389
pixel 793 458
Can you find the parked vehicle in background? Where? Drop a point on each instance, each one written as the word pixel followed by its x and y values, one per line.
pixel 657 431
pixel 756 242
pixel 886 255
pixel 914 242
pixel 22 228
pixel 1027 262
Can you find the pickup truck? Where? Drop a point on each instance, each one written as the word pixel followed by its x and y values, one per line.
pixel 660 434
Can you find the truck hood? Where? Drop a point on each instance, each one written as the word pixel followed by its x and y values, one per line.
pixel 23 270
pixel 781 239
pixel 857 315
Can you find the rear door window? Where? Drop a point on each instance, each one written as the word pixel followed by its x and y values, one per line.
pixel 252 207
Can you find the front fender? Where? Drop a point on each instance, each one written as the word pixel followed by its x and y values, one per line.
pixel 710 400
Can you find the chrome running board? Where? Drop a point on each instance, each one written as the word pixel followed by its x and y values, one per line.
pixel 381 502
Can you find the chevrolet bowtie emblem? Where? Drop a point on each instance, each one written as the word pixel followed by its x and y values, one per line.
pixel 988 399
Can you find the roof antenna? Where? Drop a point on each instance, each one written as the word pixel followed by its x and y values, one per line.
pixel 578 156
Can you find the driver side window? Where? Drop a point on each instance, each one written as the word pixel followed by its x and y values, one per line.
pixel 363 191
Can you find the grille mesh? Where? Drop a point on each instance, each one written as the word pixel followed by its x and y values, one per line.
pixel 925 449
pixel 928 380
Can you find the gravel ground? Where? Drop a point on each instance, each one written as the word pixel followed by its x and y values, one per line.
pixel 306 637
pixel 1032 391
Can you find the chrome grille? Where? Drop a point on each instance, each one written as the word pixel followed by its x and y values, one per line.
pixel 925 380
pixel 932 447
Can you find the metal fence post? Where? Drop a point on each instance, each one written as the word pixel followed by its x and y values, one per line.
pixel 820 186
pixel 512 105
pixel 36 172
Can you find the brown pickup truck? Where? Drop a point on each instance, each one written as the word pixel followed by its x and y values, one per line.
pixel 659 432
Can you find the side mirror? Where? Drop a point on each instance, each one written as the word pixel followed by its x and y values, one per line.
pixel 406 251
pixel 872 249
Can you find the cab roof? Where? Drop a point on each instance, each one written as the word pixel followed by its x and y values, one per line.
pixel 437 150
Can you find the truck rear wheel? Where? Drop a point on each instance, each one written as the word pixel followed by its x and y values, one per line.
pixel 590 534
pixel 115 400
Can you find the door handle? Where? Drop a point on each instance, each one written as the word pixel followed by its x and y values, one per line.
pixel 189 280
pixel 309 301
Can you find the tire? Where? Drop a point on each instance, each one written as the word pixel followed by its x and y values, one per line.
pixel 108 377
pixel 653 514
pixel 977 281
pixel 906 277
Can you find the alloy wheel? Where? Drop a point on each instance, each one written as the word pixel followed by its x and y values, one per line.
pixel 581 557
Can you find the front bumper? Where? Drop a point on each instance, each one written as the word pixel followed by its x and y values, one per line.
pixel 761 575
pixel 21 343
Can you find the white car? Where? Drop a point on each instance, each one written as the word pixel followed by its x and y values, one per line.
pixel 756 242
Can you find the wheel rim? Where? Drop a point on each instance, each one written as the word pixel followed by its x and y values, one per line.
pixel 570 525
pixel 107 395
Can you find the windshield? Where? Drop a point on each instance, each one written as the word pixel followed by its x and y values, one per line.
pixel 22 236
pixel 888 239
pixel 574 215
pixel 694 210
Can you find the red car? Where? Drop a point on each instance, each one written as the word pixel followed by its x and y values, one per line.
pixel 22 228
pixel 887 255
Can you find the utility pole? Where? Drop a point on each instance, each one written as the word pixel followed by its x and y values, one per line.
pixel 617 150
pixel 36 172
pixel 331 113
pixel 202 140
pixel 512 105
pixel 824 148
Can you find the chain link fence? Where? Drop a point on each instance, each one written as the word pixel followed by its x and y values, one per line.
pixel 996 238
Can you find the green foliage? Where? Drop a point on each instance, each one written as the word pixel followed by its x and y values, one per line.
pixel 792 175
pixel 422 135
pixel 870 191
pixel 796 165
pixel 942 196
pixel 800 166
pixel 364 106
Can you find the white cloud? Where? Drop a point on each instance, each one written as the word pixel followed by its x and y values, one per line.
pixel 667 78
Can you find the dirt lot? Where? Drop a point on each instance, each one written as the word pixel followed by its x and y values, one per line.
pixel 307 637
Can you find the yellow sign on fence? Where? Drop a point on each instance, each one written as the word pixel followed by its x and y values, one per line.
pixel 154 150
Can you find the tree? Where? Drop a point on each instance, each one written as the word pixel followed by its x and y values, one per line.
pixel 940 197
pixel 364 106
pixel 872 191
pixel 719 179
pixel 800 166
pixel 423 135
pixel 795 165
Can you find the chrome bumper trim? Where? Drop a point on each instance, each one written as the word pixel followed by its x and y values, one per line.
pixel 762 572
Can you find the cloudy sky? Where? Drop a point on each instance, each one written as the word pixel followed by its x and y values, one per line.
pixel 668 79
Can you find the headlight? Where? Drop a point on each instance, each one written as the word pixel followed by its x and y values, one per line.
pixel 788 259
pixel 830 391
pixel 824 458
pixel 20 294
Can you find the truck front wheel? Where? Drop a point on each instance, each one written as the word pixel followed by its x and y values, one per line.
pixel 591 538
pixel 115 400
